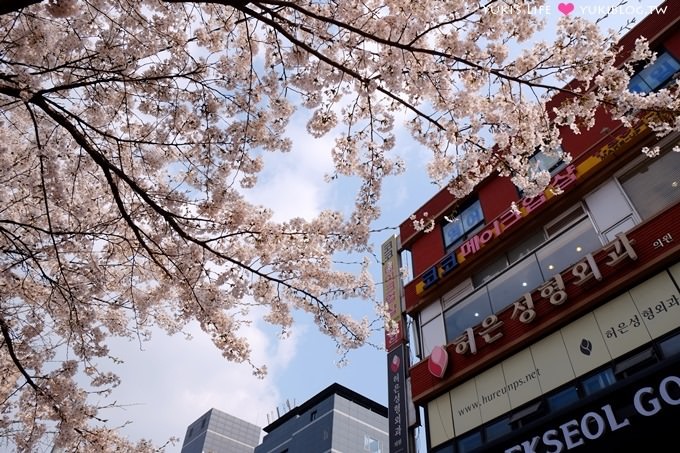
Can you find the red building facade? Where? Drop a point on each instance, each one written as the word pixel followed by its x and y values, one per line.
pixel 552 323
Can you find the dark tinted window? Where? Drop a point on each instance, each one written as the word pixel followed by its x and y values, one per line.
pixel 671 346
pixel 460 224
pixel 656 75
pixel 563 398
pixel 598 382
pixel 654 184
pixel 470 442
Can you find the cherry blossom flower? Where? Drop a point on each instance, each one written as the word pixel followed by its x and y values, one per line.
pixel 131 129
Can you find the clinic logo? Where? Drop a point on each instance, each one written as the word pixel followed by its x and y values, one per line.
pixel 395 364
pixel 439 360
pixel 586 347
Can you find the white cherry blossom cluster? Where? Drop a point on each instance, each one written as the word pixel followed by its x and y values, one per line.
pixel 423 224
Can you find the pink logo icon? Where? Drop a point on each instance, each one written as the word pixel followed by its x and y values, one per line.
pixel 439 359
pixel 565 8
pixel 394 366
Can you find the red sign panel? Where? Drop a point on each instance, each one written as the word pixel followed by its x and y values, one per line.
pixel 392 291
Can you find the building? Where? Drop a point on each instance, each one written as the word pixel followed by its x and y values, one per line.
pixel 554 324
pixel 218 432
pixel 337 419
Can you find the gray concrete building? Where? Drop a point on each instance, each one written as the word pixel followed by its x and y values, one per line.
pixel 336 420
pixel 218 432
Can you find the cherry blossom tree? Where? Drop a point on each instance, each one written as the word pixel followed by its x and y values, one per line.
pixel 131 130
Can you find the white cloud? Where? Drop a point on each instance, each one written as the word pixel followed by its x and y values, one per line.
pixel 292 184
pixel 291 194
pixel 173 381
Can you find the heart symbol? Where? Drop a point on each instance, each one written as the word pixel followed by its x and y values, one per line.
pixel 439 359
pixel 565 8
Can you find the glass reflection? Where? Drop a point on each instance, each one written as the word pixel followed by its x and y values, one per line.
pixel 469 313
pixel 517 280
pixel 568 248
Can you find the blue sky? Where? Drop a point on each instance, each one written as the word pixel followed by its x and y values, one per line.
pixel 172 381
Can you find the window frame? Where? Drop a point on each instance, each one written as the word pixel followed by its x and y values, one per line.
pixel 625 174
pixel 555 167
pixel 571 216
pixel 662 55
pixel 459 215
pixel 369 440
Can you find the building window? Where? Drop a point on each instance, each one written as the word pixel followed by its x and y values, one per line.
pixel 533 262
pixel 466 314
pixel 656 75
pixel 312 416
pixel 599 381
pixel 528 414
pixel 470 442
pixel 550 161
pixel 563 398
pixel 372 445
pixel 654 184
pixel 529 244
pixel 521 278
pixel 432 328
pixel 492 269
pixel 443 449
pixel 636 363
pixel 671 346
pixel 564 221
pixel 568 248
pixel 462 223
pixel 610 210
pixel 431 324
pixel 498 428
pixel 433 335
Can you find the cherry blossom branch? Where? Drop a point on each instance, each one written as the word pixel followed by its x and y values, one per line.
pixel 169 217
pixel 9 344
pixel 366 81
pixel 409 47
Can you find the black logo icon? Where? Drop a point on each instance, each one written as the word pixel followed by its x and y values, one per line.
pixel 586 347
